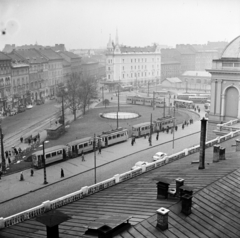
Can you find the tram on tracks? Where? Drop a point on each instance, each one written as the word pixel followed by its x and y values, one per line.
pixel 145 101
pixel 159 125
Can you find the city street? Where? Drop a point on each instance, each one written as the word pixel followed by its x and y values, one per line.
pixel 81 173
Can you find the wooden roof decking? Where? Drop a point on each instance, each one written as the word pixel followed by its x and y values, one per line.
pixel 215 211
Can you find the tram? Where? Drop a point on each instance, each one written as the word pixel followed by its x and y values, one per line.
pixel 184 103
pixel 145 101
pixel 52 154
pixel 160 124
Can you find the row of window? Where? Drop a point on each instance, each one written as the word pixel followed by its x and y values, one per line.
pixel 115 136
pixel 141 75
pixel 110 61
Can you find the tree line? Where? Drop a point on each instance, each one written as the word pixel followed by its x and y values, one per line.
pixel 78 92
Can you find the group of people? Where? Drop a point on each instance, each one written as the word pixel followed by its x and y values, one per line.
pixel 31 140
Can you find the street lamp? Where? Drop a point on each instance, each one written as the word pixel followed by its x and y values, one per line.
pixel 44 162
pixel 173 126
pixel 95 161
pixel 2 149
pixel 63 91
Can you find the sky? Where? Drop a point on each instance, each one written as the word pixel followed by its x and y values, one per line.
pixel 84 24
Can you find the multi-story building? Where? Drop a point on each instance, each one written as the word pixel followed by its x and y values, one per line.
pixel 133 65
pixel 225 87
pixel 37 72
pixel 187 57
pixel 20 80
pixel 73 59
pixel 5 82
pixel 55 69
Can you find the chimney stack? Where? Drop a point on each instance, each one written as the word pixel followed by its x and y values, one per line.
pixel 216 153
pixel 162 218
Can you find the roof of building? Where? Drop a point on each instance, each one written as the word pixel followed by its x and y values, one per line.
pixel 125 49
pixel 70 54
pixel 19 65
pixel 174 80
pixel 50 54
pixel 57 47
pixel 4 56
pixel 215 206
pixel 232 50
pixel 170 62
pixel 196 73
pixel 185 49
pixel 32 56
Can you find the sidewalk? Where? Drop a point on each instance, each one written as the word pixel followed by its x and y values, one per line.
pixel 12 187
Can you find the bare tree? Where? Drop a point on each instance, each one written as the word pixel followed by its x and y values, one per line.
pixel 88 92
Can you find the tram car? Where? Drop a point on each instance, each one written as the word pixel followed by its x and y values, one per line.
pixel 114 136
pixel 160 124
pixel 52 154
pixel 145 101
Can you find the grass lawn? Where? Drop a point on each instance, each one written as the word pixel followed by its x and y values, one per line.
pixel 92 123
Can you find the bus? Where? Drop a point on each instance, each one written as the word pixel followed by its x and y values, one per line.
pixel 198 99
pixel 185 96
pixel 52 154
pixel 184 104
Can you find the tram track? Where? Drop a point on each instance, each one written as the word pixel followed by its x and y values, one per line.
pixel 13 138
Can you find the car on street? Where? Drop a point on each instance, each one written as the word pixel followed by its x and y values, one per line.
pixel 21 108
pixel 39 102
pixel 13 111
pixel 29 106
pixel 139 164
pixel 159 156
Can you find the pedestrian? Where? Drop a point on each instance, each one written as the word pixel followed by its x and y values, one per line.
pixel 9 153
pixel 150 141
pixel 176 127
pixel 56 122
pixel 35 140
pixel 83 159
pixel 0 174
pixel 99 149
pixel 157 136
pixel 15 151
pixel 32 172
pixel 167 130
pixel 182 126
pixel 132 142
pixel 29 141
pixel 21 139
pixel 6 153
pixel 198 110
pixel 9 160
pixel 19 150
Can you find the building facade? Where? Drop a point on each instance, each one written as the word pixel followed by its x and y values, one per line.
pixel 196 81
pixel 5 82
pixel 133 65
pixel 225 87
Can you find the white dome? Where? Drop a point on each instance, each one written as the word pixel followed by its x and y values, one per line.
pixel 232 50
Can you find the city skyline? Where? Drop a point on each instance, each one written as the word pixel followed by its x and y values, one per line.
pixel 88 24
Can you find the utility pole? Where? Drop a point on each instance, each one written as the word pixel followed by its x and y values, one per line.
pixel 44 164
pixel 118 105
pixel 164 107
pixel 2 149
pixel 148 89
pixel 95 162
pixel 63 117
pixel 169 103
pixel 153 100
pixel 102 93
pixel 173 126
pixel 150 136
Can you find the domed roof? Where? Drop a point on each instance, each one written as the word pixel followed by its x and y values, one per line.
pixel 232 50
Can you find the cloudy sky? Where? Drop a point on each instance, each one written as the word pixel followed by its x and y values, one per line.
pixel 88 23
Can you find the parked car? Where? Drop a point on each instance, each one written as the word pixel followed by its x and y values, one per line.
pixel 139 164
pixel 12 112
pixel 21 108
pixel 29 106
pixel 39 102
pixel 159 156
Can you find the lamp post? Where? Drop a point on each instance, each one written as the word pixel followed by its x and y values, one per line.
pixel 2 149
pixel 44 162
pixel 95 161
pixel 173 126
pixel 118 103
